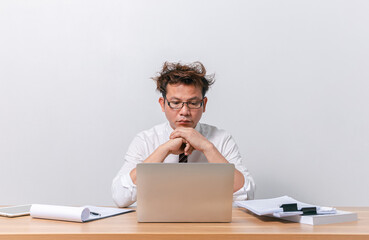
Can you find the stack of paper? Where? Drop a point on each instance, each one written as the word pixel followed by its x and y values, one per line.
pixel 271 207
pixel 338 217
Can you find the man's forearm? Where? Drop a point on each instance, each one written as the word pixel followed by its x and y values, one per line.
pixel 214 156
pixel 156 157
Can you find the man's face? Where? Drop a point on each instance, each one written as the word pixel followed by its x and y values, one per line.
pixel 184 117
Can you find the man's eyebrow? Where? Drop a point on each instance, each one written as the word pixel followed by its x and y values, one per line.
pixel 190 99
pixel 173 98
pixel 194 98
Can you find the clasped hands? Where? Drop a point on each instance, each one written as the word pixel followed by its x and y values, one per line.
pixel 185 140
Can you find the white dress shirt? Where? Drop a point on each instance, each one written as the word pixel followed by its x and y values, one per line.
pixel 145 143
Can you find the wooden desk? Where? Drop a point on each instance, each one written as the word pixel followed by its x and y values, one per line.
pixel 244 226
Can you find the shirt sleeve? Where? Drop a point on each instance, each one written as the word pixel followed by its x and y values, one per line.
pixel 231 152
pixel 124 191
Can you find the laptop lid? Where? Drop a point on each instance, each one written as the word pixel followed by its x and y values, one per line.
pixel 184 192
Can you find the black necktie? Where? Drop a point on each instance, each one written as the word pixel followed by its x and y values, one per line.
pixel 182 158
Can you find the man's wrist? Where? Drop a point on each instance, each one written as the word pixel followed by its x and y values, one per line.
pixel 158 155
pixel 164 150
pixel 208 148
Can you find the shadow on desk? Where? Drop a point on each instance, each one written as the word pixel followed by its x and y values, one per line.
pixel 266 218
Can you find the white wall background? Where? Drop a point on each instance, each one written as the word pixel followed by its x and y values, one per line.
pixel 292 87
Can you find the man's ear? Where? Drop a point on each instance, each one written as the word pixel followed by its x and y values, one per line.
pixel 162 103
pixel 205 100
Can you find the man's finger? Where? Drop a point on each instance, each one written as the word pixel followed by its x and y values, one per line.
pixel 189 152
pixel 176 135
pixel 178 132
pixel 187 148
pixel 173 135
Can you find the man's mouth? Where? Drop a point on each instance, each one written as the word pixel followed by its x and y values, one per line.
pixel 184 121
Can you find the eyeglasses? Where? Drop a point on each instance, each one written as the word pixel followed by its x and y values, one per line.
pixel 179 105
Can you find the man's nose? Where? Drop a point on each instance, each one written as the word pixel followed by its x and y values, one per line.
pixel 185 110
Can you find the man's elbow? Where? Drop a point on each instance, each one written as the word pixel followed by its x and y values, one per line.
pixel 122 196
pixel 121 201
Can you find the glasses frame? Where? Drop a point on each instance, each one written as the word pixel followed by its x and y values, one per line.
pixel 183 103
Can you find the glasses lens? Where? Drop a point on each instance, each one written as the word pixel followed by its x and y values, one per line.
pixel 190 105
pixel 175 105
pixel 194 105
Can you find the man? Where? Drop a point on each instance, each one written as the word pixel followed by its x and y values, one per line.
pixel 182 138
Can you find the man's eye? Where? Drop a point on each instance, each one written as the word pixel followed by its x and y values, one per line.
pixel 194 103
pixel 176 103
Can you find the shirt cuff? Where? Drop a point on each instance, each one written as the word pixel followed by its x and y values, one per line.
pixel 240 195
pixel 126 181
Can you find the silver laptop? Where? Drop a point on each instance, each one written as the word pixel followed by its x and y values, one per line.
pixel 184 192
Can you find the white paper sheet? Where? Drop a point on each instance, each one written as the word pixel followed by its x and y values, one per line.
pixel 272 206
pixel 75 214
pixel 105 212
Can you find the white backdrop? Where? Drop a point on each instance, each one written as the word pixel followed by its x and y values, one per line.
pixel 292 84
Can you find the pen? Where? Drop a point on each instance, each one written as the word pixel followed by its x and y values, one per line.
pixel 96 214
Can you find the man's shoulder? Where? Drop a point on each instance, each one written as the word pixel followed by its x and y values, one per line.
pixel 207 129
pixel 156 130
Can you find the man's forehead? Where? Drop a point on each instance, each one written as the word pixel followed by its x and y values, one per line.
pixel 181 98
pixel 181 91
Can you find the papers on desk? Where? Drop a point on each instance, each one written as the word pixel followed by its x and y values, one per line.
pixel 300 212
pixel 74 214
